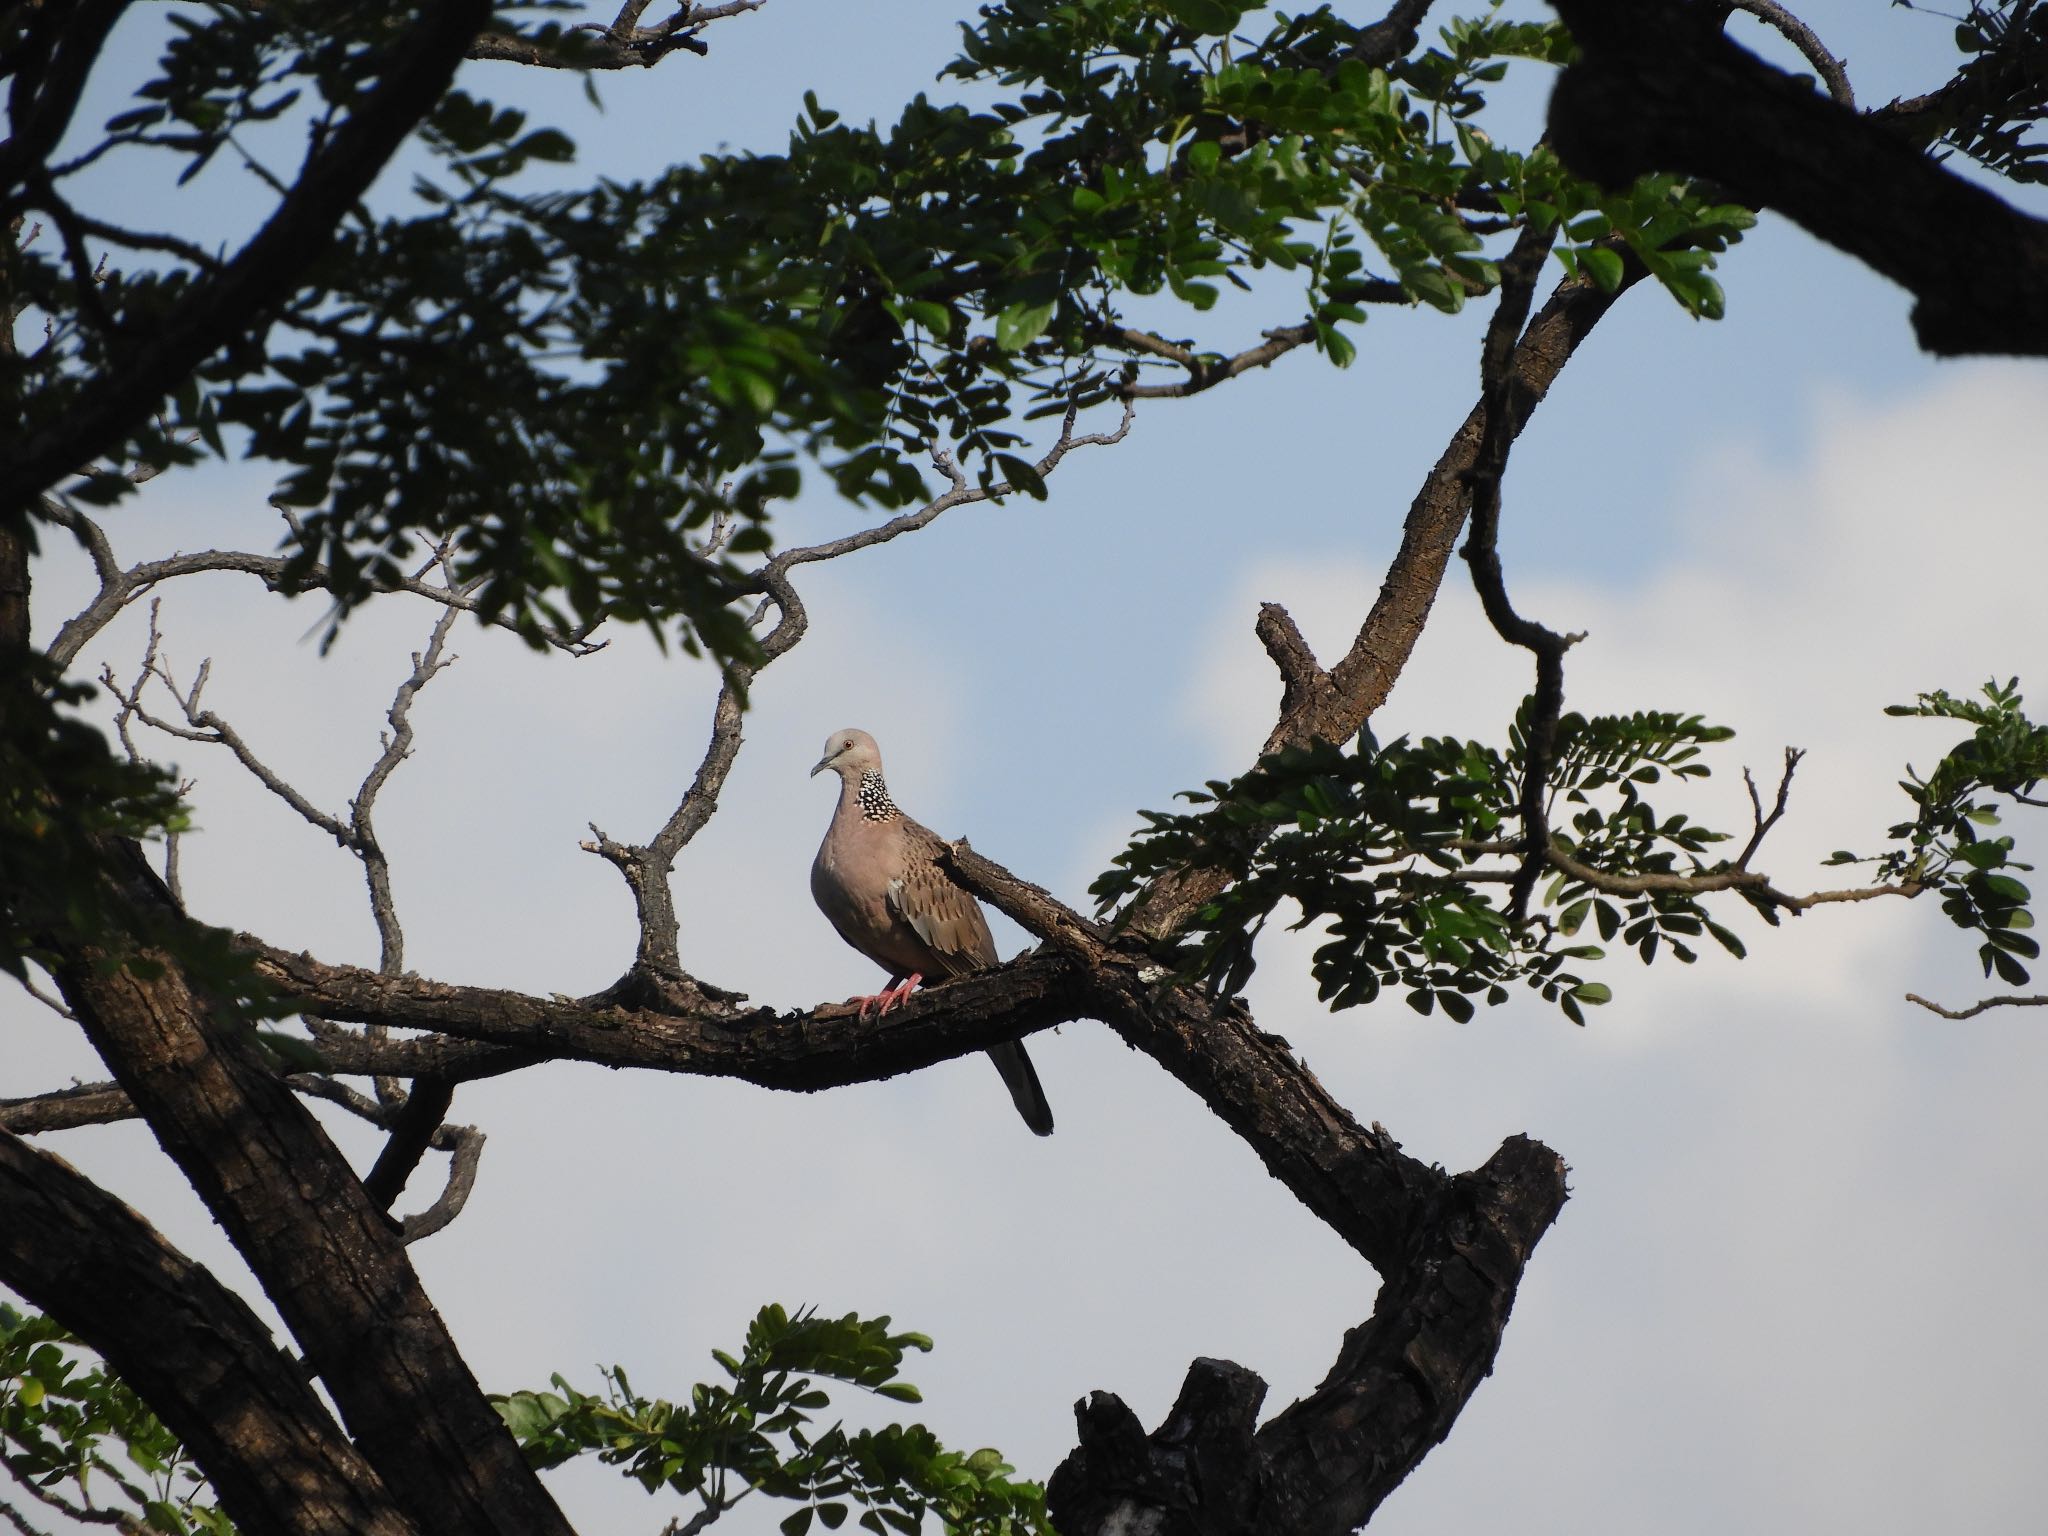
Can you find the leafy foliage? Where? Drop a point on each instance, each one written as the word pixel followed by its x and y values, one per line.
pixel 1400 846
pixel 1944 847
pixel 62 1416
pixel 756 1435
pixel 1992 109
pixel 575 388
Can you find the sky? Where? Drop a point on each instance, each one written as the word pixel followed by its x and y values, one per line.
pixel 1796 1284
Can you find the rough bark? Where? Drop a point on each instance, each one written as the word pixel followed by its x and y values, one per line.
pixel 1450 1251
pixel 191 1348
pixel 323 1251
pixel 1654 90
pixel 1325 1463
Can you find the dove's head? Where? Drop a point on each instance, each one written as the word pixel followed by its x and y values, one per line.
pixel 850 754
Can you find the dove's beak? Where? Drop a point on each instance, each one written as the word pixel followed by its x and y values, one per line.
pixel 822 763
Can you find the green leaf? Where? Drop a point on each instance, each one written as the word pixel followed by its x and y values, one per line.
pixel 797 1523
pixel 1021 324
pixel 1214 18
pixel 1603 266
pixel 1022 474
pixel 2006 887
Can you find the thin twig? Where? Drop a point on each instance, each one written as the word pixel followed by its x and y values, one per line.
pixel 1830 69
pixel 397 748
pixel 1763 823
pixel 1713 880
pixel 2038 1001
pixel 48 1000
pixel 119 588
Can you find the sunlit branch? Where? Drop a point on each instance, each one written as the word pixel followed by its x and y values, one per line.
pixel 2038 1001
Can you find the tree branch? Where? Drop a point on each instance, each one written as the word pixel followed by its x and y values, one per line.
pixel 1360 683
pixel 1830 69
pixel 622 45
pixel 1482 554
pixel 298 1215
pixel 1653 92
pixel 2040 1001
pixel 192 1349
pixel 119 587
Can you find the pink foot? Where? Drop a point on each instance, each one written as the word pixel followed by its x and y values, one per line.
pixel 889 997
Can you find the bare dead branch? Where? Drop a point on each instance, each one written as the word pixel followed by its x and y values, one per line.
pixel 1300 675
pixel 413 1124
pixel 119 588
pixel 1205 370
pixel 961 494
pixel 2038 1001
pixel 35 990
pixel 358 1052
pixel 130 702
pixel 1830 69
pixel 466 1149
pixel 624 44
pixel 205 726
pixel 1482 553
pixel 1764 823
pixel 64 1109
pixel 363 838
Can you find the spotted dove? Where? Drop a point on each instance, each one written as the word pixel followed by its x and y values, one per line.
pixel 877 877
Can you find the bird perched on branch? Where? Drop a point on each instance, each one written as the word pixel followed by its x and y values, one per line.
pixel 877 877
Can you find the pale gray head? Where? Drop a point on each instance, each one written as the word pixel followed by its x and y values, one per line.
pixel 850 754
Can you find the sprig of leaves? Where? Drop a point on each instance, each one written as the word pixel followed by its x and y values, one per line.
pixel 1948 846
pixel 1400 849
pixel 64 1418
pixel 755 1434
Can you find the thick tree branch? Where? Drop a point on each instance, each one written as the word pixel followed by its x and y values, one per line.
pixel 296 1212
pixel 1451 1251
pixel 49 74
pixel 1653 91
pixel 191 1348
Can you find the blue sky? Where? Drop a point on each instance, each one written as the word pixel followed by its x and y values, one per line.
pixel 1795 1288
